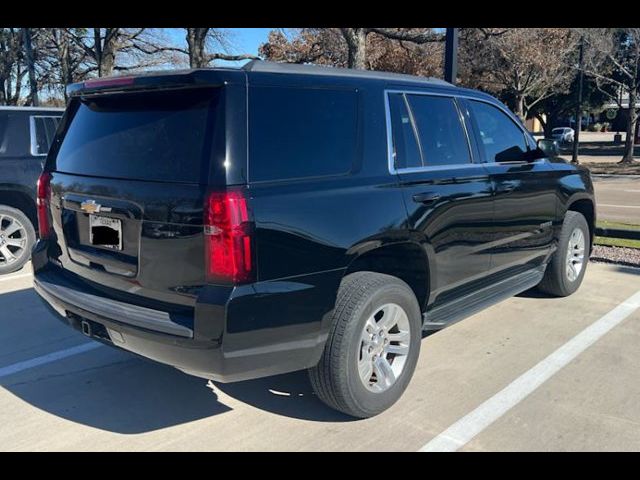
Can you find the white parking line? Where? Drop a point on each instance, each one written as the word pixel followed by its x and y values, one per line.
pixel 50 357
pixel 465 429
pixel 14 277
pixel 617 206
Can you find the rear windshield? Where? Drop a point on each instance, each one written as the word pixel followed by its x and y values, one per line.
pixel 157 136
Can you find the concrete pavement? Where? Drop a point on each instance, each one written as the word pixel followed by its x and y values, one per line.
pixel 104 399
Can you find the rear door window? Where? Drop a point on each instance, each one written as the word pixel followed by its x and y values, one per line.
pixel 443 140
pixel 156 136
pixel 43 129
pixel 51 124
pixel 39 141
pixel 301 132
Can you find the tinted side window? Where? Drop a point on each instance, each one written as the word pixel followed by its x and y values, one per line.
pixel 51 124
pixel 301 132
pixel 44 131
pixel 442 137
pixel 501 138
pixel 4 137
pixel 406 152
pixel 41 145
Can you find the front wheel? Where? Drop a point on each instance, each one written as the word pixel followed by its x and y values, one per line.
pixel 373 345
pixel 566 269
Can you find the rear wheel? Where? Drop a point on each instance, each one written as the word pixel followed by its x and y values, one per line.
pixel 17 237
pixel 566 269
pixel 373 345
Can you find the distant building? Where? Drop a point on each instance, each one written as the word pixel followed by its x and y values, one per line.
pixel 534 125
pixel 619 122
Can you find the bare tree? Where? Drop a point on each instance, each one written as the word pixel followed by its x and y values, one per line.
pixel 524 66
pixel 323 46
pixel 12 70
pixel 62 60
pixel 118 49
pixel 31 66
pixel 197 40
pixel 612 57
pixel 356 39
pixel 401 50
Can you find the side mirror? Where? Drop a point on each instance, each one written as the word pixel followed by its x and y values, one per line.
pixel 549 147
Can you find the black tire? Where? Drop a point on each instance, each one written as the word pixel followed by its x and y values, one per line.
pixel 335 379
pixel 556 281
pixel 8 214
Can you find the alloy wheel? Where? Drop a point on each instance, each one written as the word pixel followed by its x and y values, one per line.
pixel 384 346
pixel 13 240
pixel 575 254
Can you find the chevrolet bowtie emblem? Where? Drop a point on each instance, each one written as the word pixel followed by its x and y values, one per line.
pixel 90 206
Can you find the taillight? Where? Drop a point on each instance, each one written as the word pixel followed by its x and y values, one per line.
pixel 227 231
pixel 42 202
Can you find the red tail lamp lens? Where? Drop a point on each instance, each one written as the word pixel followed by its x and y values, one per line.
pixel 227 238
pixel 42 203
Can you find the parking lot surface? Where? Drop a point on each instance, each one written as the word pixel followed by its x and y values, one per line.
pixel 577 356
pixel 618 198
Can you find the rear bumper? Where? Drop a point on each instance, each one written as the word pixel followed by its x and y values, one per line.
pixel 199 358
pixel 238 333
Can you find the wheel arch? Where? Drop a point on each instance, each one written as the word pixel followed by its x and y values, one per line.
pixel 586 207
pixel 407 260
pixel 22 201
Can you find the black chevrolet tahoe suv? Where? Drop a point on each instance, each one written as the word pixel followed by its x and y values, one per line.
pixel 240 223
pixel 25 136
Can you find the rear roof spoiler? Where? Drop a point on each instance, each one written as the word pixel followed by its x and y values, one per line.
pixel 168 79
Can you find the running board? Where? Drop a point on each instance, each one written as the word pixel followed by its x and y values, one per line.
pixel 466 306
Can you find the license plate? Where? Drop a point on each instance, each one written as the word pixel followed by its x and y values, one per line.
pixel 105 232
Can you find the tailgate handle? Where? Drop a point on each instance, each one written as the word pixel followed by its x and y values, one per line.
pixel 425 198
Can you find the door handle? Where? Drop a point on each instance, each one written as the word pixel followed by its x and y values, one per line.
pixel 505 188
pixel 426 198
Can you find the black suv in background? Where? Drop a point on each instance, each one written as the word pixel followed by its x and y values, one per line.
pixel 238 223
pixel 25 136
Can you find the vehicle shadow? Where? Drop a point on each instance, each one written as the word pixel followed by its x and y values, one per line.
pixel 534 293
pixel 117 391
pixel 289 395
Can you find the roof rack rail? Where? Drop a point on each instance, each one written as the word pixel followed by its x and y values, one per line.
pixel 304 69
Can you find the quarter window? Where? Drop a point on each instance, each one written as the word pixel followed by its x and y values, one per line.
pixel 501 139
pixel 301 132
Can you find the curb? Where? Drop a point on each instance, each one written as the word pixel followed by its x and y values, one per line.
pixel 615 175
pixel 618 233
